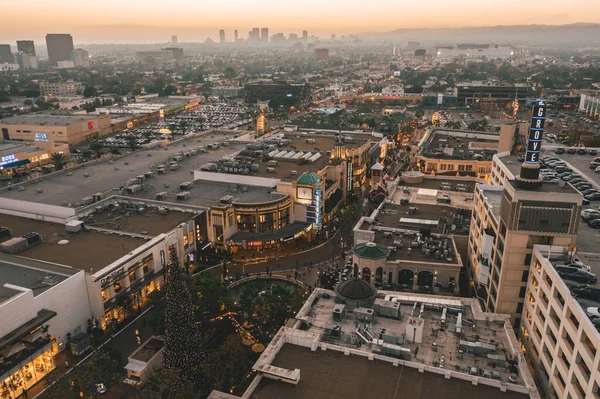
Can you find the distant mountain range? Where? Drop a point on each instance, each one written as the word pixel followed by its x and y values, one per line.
pixel 572 35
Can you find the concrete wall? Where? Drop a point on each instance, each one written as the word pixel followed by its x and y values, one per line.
pixel 34 210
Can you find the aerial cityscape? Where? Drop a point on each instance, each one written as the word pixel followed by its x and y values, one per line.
pixel 334 200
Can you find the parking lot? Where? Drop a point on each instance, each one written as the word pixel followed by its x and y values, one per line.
pixel 593 260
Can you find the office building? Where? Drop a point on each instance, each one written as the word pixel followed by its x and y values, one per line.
pixel 264 35
pixel 173 39
pixel 357 341
pixel 474 51
pixel 235 35
pixel 509 220
pixel 590 106
pixel 333 37
pixel 321 54
pixel 61 89
pixel 154 55
pixel 226 91
pixel 6 67
pixel 26 61
pixel 6 54
pixel 293 37
pixel 305 36
pixel 177 52
pixel 280 91
pixel 222 36
pixel 561 342
pixel 60 47
pixel 472 92
pixel 26 46
pixel 71 129
pixel 81 58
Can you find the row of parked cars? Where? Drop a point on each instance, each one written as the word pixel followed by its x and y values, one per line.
pixel 555 170
pixel 573 150
pixel 576 271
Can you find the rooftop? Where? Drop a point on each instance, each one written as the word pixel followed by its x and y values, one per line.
pixel 333 375
pixel 87 250
pixel 47 119
pixel 109 176
pixel 145 352
pixel 323 142
pixel 13 147
pixel 420 345
pixel 123 217
pixel 493 196
pixel 548 187
pixel 36 276
pixel 460 144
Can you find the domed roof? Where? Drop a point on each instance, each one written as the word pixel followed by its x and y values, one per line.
pixel 308 178
pixel 355 289
pixel 370 250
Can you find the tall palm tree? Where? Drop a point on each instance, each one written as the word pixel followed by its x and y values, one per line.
pixel 58 159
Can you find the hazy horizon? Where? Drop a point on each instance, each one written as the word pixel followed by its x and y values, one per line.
pixel 134 21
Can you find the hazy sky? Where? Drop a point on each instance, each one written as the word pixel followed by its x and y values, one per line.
pixel 122 21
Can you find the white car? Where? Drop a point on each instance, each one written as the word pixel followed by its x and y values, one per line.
pixel 592 313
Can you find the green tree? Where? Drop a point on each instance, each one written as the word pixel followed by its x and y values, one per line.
pixel 229 73
pixel 90 91
pixel 211 298
pixel 182 354
pixel 164 384
pixel 97 148
pixel 132 142
pixel 58 159
pixel 229 364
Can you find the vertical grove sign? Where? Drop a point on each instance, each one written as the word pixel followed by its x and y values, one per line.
pixel 536 131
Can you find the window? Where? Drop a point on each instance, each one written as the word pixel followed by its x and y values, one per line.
pixel 517 322
pixel 132 277
pixel 520 306
pixel 527 263
pixel 522 293
pixel 461 167
pixel 525 275
pixel 443 166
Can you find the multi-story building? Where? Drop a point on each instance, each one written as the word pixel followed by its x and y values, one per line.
pixel 226 91
pixel 61 89
pixel 59 46
pixel 66 129
pixel 561 342
pixel 590 106
pixel 6 54
pixel 222 36
pixel 155 55
pixel 448 152
pixel 81 58
pixel 173 39
pixel 26 46
pixel 321 54
pixel 264 35
pixel 5 67
pixel 281 91
pixel 470 92
pixel 305 36
pixel 475 51
pixel 26 61
pixel 177 52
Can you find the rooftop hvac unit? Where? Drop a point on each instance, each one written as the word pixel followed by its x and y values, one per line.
pixel 5 234
pixel 186 185
pixel 49 280
pixel 32 238
pixel 228 199
pixel 161 195
pixel 134 189
pixel 14 245
pixel 182 196
pixel 74 226
pixel 87 200
pixel 162 210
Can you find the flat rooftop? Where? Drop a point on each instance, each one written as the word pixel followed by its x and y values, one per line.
pixel 109 176
pixel 283 170
pixel 461 144
pixel 493 197
pixel 125 218
pixel 333 375
pixel 87 250
pixel 512 163
pixel 436 184
pixel 322 143
pixel 47 119
pixel 548 187
pixel 32 275
pixel 13 147
pixel 148 349
pixel 397 216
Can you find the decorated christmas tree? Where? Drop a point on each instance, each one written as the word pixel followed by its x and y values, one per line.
pixel 183 351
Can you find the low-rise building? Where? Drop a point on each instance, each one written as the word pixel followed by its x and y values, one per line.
pixel 66 129
pixel 61 89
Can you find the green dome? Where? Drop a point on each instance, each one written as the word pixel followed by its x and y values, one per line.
pixel 370 250
pixel 355 289
pixel 309 179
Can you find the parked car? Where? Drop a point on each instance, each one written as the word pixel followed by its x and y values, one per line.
pixel 580 276
pixel 582 151
pixel 594 224
pixel 559 150
pixel 571 150
pixel 590 191
pixel 593 152
pixel 585 202
pixel 587 292
pixel 579 265
pixel 593 197
pixel 590 216
pixel 594 165
pixel 593 313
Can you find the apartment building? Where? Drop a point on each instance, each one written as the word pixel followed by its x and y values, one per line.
pixel 560 340
pixel 60 89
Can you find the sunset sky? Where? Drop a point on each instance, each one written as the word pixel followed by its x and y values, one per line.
pixel 91 21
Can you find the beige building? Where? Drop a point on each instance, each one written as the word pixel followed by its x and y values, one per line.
pixel 465 152
pixel 16 157
pixel 506 223
pixel 560 341
pixel 66 129
pixel 60 89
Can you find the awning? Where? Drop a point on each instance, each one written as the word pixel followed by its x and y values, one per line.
pixel 135 367
pixel 16 348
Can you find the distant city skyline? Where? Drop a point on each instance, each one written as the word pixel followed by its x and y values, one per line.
pixel 110 21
